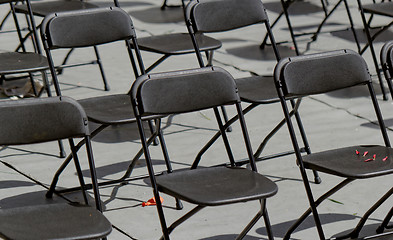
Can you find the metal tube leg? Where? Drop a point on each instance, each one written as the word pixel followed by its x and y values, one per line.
pixel 385 221
pixel 99 62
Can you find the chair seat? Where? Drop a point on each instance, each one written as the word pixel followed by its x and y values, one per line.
pixel 385 8
pixel 64 221
pixel 257 89
pixel 345 162
pixel 176 44
pixel 216 186
pixel 45 8
pixel 111 109
pixel 15 62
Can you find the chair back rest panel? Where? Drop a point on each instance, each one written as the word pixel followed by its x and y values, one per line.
pixel 87 28
pixel 38 120
pixel 321 73
pixel 225 15
pixel 185 91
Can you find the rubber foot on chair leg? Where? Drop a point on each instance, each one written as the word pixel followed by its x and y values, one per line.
pixel 317 180
pixel 62 154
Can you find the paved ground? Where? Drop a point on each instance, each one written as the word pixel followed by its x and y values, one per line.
pixel 113 148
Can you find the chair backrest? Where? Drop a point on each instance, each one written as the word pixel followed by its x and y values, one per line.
pixel 224 15
pixel 179 92
pixel 218 16
pixel 187 91
pixel 88 27
pixel 321 73
pixel 386 57
pixel 38 120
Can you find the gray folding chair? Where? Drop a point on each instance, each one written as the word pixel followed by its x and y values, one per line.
pixel 45 8
pixel 157 95
pixel 38 120
pixel 106 25
pixel 229 15
pixel 301 76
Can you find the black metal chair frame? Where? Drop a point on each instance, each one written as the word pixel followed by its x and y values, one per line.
pixel 257 95
pixel 39 120
pixel 206 88
pixel 121 110
pixel 355 73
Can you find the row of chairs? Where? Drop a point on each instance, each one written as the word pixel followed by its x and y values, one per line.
pixel 151 99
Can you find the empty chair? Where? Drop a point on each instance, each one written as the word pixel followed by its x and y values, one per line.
pixel 38 120
pixel 68 29
pixel 45 8
pixel 226 15
pixel 386 57
pixel 301 76
pixel 157 95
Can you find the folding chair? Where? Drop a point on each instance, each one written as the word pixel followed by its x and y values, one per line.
pixel 39 120
pixel 219 16
pixel 186 91
pixel 321 73
pixel 385 9
pixel 68 29
pixel 386 57
pixel 18 64
pixel 45 8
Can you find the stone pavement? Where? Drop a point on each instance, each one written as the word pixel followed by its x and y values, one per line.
pixel 240 55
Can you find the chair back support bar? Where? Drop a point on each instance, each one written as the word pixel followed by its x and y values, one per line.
pixel 307 75
pixel 199 89
pixel 43 119
pixel 86 28
pixel 222 15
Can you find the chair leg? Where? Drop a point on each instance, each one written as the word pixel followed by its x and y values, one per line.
pixel 285 6
pixel 78 169
pixel 374 57
pixel 99 62
pixel 385 222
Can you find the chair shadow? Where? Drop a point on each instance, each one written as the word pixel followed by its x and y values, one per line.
pixel 280 229
pixel 119 167
pixel 14 184
pixel 123 4
pixel 387 35
pixel 254 52
pixel 156 15
pixel 297 8
pixel 367 231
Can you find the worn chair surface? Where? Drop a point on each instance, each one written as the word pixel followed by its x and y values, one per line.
pixel 195 90
pixel 322 73
pixel 40 120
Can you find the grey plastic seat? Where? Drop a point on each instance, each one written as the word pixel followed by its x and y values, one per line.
pixel 386 58
pixel 106 25
pixel 157 95
pixel 45 8
pixel 301 76
pixel 230 15
pixel 38 120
